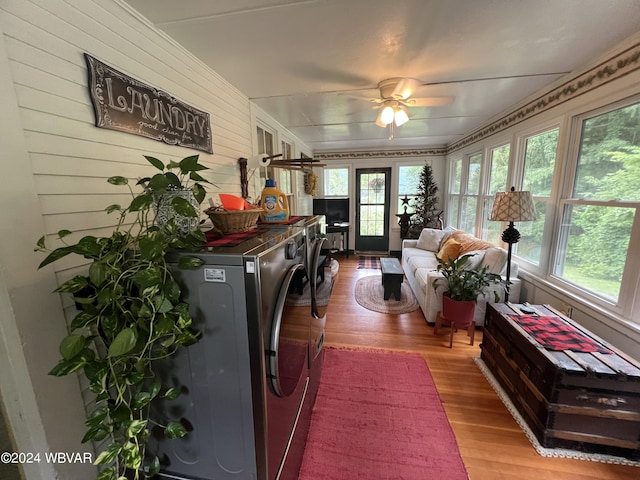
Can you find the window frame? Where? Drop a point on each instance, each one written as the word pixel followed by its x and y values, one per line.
pixel 487 196
pixel 324 185
pixel 626 305
pixel 548 239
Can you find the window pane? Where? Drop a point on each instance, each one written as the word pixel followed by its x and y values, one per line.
pixel 456 172
pixel 372 220
pixel 597 239
pixel 408 179
pixel 336 182
pixel 473 183
pixel 539 162
pixel 468 220
pixel 492 230
pixel 530 244
pixel 454 205
pixel 609 162
pixel 499 168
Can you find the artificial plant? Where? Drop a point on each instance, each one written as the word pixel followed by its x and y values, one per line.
pixel 425 204
pixel 130 317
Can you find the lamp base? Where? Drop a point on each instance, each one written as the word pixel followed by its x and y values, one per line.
pixel 511 235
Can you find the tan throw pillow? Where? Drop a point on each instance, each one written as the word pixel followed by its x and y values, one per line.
pixel 495 259
pixel 474 260
pixel 430 239
pixel 450 250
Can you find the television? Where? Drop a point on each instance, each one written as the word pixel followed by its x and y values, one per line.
pixel 336 210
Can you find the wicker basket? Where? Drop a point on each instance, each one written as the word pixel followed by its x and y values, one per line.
pixel 235 221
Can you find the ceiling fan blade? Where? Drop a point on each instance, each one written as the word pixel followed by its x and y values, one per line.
pixel 429 102
pixel 405 88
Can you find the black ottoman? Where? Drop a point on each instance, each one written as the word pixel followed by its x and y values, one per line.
pixel 392 276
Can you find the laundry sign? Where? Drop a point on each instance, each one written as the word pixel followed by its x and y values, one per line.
pixel 125 104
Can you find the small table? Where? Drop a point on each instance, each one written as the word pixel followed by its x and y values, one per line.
pixel 392 277
pixel 342 227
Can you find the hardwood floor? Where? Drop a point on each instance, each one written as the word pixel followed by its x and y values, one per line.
pixel 492 445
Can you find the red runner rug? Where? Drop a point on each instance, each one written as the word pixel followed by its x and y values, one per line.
pixel 378 416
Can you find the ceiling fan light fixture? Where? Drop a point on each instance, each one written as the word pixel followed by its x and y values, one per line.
pixel 387 114
pixel 379 121
pixel 400 116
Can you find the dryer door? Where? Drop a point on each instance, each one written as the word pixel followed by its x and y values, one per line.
pixel 289 340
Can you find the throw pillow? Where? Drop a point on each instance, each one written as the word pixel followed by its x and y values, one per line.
pixel 474 260
pixel 495 258
pixel 430 239
pixel 448 231
pixel 450 250
pixel 469 242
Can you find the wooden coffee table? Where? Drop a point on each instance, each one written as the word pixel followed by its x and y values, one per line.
pixel 392 276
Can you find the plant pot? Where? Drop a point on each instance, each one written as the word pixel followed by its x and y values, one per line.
pixel 165 210
pixel 458 313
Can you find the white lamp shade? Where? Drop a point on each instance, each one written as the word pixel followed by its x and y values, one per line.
pixel 386 115
pixel 513 206
pixel 401 116
pixel 379 121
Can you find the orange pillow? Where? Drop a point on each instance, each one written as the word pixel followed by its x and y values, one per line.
pixel 450 249
pixel 469 243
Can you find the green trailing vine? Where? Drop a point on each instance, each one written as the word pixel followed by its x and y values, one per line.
pixel 130 316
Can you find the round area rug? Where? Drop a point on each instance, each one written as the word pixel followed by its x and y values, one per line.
pixel 370 295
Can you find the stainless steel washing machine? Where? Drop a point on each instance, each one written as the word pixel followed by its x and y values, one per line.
pixel 245 384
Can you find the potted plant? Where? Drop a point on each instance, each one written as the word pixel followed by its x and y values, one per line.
pixel 176 195
pixel 130 317
pixel 463 286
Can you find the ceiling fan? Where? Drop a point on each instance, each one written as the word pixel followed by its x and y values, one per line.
pixel 396 98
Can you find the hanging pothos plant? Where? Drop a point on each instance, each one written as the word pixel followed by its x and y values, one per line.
pixel 130 317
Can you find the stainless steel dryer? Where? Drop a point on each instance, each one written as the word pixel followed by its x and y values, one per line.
pixel 245 383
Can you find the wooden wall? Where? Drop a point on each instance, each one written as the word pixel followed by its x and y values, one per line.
pixel 55 163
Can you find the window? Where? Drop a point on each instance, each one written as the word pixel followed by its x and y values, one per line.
pixel 265 141
pixel 599 213
pixel 537 177
pixel 265 146
pixel 470 194
pixel 408 180
pixel 498 169
pixel 285 174
pixel 454 189
pixel 336 182
pixel 465 188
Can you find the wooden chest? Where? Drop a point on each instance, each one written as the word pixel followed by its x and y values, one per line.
pixel 582 400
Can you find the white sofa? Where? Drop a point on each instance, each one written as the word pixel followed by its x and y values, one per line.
pixel 420 267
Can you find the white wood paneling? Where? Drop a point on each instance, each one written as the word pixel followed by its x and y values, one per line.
pixel 66 161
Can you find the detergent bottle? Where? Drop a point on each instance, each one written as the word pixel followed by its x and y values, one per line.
pixel 274 204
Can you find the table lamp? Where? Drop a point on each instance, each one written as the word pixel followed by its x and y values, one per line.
pixel 512 207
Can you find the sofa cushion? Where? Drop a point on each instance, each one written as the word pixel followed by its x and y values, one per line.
pixel 422 275
pixel 422 261
pixel 430 239
pixel 450 249
pixel 495 259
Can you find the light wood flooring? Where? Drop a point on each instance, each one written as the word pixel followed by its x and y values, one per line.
pixel 492 445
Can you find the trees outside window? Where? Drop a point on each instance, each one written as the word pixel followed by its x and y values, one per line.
pixel 336 182
pixel 498 169
pixel 600 211
pixel 539 165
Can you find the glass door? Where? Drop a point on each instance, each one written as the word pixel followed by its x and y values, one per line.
pixel 372 209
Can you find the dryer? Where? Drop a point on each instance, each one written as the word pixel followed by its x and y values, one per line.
pixel 245 383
